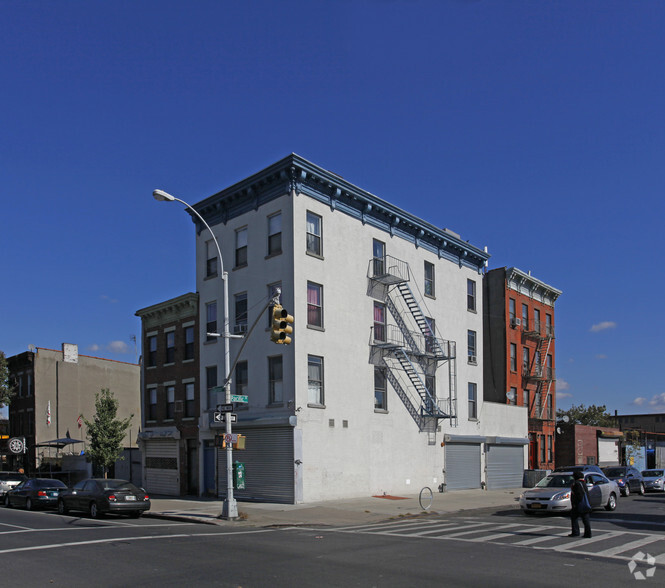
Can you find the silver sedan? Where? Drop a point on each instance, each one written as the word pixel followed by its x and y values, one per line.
pixel 552 493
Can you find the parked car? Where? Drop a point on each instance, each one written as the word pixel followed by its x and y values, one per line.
pixel 628 478
pixel 34 493
pixel 9 480
pixel 580 468
pixel 654 480
pixel 552 493
pixel 98 496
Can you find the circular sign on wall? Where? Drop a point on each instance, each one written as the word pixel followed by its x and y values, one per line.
pixel 16 445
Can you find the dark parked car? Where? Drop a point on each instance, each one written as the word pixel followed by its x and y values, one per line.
pixel 580 468
pixel 35 493
pixel 98 496
pixel 9 480
pixel 628 478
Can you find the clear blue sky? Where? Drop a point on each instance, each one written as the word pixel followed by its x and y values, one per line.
pixel 534 128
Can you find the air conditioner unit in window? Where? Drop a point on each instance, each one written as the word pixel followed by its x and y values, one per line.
pixel 472 359
pixel 515 322
pixel 239 329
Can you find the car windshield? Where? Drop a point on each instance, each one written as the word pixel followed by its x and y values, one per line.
pixel 558 481
pixel 50 484
pixel 119 485
pixel 615 472
pixel 652 473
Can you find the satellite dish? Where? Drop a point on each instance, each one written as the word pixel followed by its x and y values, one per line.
pixel 510 395
pixel 31 347
pixel 565 418
pixel 558 430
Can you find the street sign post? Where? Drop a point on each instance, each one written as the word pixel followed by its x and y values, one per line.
pixel 225 407
pixel 218 417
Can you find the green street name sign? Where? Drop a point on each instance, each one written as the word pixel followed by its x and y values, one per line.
pixel 239 398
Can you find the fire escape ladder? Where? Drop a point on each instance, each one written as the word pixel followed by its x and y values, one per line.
pixel 413 411
pixel 431 342
pixel 404 329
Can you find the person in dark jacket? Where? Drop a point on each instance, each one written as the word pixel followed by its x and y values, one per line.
pixel 578 490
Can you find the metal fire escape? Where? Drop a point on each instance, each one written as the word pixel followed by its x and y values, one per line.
pixel 538 370
pixel 409 350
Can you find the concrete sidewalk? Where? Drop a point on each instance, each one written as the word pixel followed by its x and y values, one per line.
pixel 352 511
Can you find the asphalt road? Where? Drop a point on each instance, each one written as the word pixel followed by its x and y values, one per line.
pixel 473 548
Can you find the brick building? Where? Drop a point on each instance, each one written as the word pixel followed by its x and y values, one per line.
pixel 170 396
pixel 520 355
pixel 586 445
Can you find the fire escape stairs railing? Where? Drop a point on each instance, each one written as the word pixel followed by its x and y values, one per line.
pixel 420 319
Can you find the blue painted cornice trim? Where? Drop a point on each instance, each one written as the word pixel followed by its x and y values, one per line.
pixel 294 174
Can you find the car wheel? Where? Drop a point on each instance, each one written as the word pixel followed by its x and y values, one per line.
pixel 62 507
pixel 94 511
pixel 612 502
pixel 28 504
pixel 642 489
pixel 626 490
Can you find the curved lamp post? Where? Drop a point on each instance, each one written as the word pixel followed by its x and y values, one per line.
pixel 230 508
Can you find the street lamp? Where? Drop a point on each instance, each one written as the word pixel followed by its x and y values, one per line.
pixel 230 508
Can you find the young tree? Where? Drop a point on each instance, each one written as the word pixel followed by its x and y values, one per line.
pixel 105 432
pixel 595 416
pixel 6 385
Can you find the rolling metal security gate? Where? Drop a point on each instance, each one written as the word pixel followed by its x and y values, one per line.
pixel 269 465
pixel 161 467
pixel 462 465
pixel 505 466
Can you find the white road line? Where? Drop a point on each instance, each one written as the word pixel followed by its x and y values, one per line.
pixel 630 546
pixel 58 529
pixel 393 524
pixel 534 540
pixel 576 542
pixel 13 526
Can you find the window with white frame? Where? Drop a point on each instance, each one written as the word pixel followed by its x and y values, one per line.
pixel 190 403
pixel 471 346
pixel 513 357
pixel 525 317
pixel 536 320
pixel 471 295
pixel 429 279
pixel 189 342
pixel 152 404
pixel 170 347
pixel 379 257
pixel 525 360
pixel 314 226
pixel 473 400
pixel 152 351
pixel 275 380
pixel 380 389
pixel 275 234
pixel 512 398
pixel 170 402
pixel 211 320
pixel 430 337
pixel 241 247
pixel 211 259
pixel 511 311
pixel 314 305
pixel 379 321
pixel 315 380
pixel 240 304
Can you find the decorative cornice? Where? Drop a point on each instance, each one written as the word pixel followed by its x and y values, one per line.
pixel 170 310
pixel 295 175
pixel 534 286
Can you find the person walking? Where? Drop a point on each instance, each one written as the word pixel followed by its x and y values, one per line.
pixel 578 492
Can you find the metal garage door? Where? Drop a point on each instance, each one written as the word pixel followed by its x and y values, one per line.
pixel 269 466
pixel 505 466
pixel 608 452
pixel 462 466
pixel 161 467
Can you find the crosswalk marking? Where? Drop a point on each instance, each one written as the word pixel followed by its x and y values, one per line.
pixel 541 539
pixel 629 546
pixel 575 543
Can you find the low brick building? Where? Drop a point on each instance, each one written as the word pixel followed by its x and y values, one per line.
pixel 583 444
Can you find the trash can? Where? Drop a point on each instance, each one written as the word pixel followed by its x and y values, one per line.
pixel 239 475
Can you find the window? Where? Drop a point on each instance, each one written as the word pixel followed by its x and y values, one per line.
pixel 550 453
pixel 152 351
pixel 550 370
pixel 241 247
pixel 525 360
pixel 275 234
pixel 380 389
pixel 170 402
pixel 537 364
pixel 379 321
pixel 525 398
pixel 471 295
pixel 314 305
pixel 536 320
pixel 513 357
pixel 549 327
pixel 314 223
pixel 538 405
pixel 170 347
pixel 152 404
pixel 379 257
pixel 429 279
pixel 315 380
pixel 511 310
pixel 471 343
pixel 275 377
pixel 189 342
pixel 211 259
pixel 542 448
pixel 512 398
pixel 525 317
pixel 241 312
pixel 190 402
pixel 211 320
pixel 430 384
pixel 211 383
pixel 549 407
pixel 430 341
pixel 473 400
pixel 242 378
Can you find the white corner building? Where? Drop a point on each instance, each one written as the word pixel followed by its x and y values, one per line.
pixel 381 389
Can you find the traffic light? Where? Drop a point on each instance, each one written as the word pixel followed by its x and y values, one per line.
pixel 281 325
